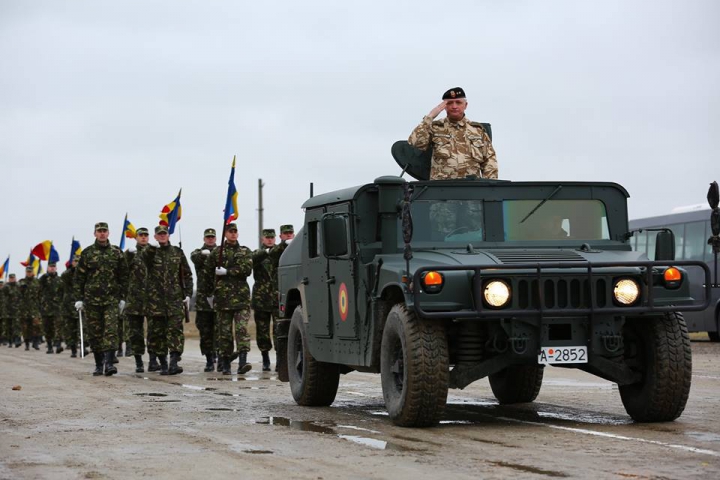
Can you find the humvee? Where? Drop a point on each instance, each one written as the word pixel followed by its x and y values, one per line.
pixel 437 284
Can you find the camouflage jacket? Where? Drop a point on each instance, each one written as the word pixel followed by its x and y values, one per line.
pixel 11 299
pixel 29 305
pixel 169 280
pixel 50 294
pixel 231 291
pixel 101 275
pixel 205 281
pixel 459 148
pixel 264 291
pixel 2 302
pixel 136 297
pixel 68 290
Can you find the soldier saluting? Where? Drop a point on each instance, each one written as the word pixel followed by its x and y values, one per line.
pixel 100 287
pixel 459 147
pixel 264 295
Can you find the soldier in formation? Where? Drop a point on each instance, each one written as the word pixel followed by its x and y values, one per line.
pixel 11 299
pixel 134 311
pixel 205 319
pixel 51 294
pixel 264 297
pixel 287 233
pixel 29 309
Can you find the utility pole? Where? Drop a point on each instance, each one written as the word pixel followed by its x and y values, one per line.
pixel 260 212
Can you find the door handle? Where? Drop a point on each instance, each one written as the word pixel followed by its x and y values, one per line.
pixel 330 280
pixel 305 281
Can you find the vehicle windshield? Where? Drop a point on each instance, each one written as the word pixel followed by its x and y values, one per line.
pixel 448 220
pixel 555 220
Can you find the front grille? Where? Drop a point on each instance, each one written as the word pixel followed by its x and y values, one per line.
pixel 561 293
pixel 534 256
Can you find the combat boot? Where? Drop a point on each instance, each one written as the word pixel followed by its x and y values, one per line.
pixel 174 368
pixel 58 347
pixel 266 361
pixel 36 343
pixel 163 364
pixel 209 363
pixel 139 366
pixel 128 350
pixel 27 344
pixel 98 364
pixel 73 352
pixel 153 364
pixel 243 365
pixel 113 357
pixel 225 361
pixel 18 342
pixel 50 348
pixel 110 369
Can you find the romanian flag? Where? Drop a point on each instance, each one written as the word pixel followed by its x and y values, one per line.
pixel 128 231
pixel 5 267
pixel 54 256
pixel 34 261
pixel 231 207
pixel 42 250
pixel 74 250
pixel 171 214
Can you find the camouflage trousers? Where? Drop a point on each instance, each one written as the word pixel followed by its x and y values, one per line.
pixel 14 326
pixel 72 330
pixel 102 326
pixel 135 331
pixel 8 328
pixel 31 327
pixel 225 331
pixel 262 328
pixel 49 322
pixel 205 322
pixel 166 333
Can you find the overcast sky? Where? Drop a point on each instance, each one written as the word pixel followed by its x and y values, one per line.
pixel 111 107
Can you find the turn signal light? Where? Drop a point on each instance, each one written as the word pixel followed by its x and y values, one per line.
pixel 432 281
pixel 672 277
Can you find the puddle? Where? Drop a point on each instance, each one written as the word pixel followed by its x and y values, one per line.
pixel 150 394
pixel 593 418
pixel 166 401
pixel 525 468
pixel 222 409
pixel 259 452
pixel 227 394
pixel 332 429
pixel 704 436
pixel 195 387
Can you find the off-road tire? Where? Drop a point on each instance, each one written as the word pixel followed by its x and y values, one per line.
pixel 313 383
pixel 414 366
pixel 664 356
pixel 517 383
pixel 715 336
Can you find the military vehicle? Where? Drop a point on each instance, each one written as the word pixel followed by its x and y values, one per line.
pixel 437 284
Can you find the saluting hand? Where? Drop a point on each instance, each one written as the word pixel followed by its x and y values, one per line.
pixel 220 271
pixel 436 111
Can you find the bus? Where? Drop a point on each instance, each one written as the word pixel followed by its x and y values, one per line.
pixel 691 226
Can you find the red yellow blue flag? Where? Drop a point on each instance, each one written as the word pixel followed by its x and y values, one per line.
pixel 128 231
pixel 231 208
pixel 42 250
pixel 75 249
pixel 4 269
pixel 171 214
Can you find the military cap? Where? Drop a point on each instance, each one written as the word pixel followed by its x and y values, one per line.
pixel 29 268
pixel 231 226
pixel 101 226
pixel 161 228
pixel 209 232
pixel 142 231
pixel 287 229
pixel 76 258
pixel 12 275
pixel 268 232
pixel 52 264
pixel 454 93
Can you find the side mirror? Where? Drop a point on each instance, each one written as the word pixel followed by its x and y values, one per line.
pixel 665 245
pixel 335 236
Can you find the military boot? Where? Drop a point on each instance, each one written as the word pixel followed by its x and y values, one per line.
pixel 266 361
pixel 153 364
pixel 113 357
pixel 110 369
pixel 18 342
pixel 225 362
pixel 98 364
pixel 128 350
pixel 27 344
pixel 36 343
pixel 58 347
pixel 50 348
pixel 243 365
pixel 163 364
pixel 209 363
pixel 139 366
pixel 174 368
pixel 73 352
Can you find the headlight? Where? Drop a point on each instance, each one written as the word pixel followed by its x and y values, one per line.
pixel 626 291
pixel 496 293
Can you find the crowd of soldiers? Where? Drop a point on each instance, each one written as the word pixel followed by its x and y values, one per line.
pixel 106 297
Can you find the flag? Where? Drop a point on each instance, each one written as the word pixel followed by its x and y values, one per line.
pixel 231 208
pixel 171 214
pixel 5 267
pixel 54 256
pixel 128 231
pixel 42 250
pixel 74 250
pixel 29 261
pixel 38 268
pixel 33 261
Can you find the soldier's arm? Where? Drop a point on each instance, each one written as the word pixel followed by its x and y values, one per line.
pixel 148 255
pixel 209 267
pixel 123 275
pixel 421 137
pixel 489 166
pixel 80 278
pixel 243 265
pixel 258 256
pixel 197 258
pixel 187 275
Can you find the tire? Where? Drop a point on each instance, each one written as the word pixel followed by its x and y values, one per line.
pixel 517 383
pixel 661 351
pixel 414 368
pixel 715 336
pixel 313 383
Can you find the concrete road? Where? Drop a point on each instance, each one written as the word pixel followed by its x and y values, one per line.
pixel 65 423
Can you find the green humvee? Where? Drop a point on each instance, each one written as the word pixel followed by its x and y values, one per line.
pixel 436 284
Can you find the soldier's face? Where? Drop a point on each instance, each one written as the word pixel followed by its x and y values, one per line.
pixel 162 238
pixel 455 109
pixel 12 280
pixel 210 241
pixel 231 235
pixel 287 236
pixel 102 235
pixel 52 269
pixel 143 239
pixel 29 274
pixel 268 241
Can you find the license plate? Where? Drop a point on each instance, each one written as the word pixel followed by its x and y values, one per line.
pixel 555 355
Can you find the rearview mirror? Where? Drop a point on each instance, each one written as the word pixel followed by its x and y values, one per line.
pixel 665 245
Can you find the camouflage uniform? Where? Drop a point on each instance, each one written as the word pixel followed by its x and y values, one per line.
pixel 231 296
pixel 100 283
pixel 169 282
pixel 11 295
pixel 459 148
pixel 4 333
pixel 29 311
pixel 134 312
pixel 205 315
pixel 69 314
pixel 264 295
pixel 50 309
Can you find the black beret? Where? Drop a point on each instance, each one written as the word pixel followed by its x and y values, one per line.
pixel 454 93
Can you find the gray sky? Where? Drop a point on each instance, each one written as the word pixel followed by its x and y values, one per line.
pixel 111 107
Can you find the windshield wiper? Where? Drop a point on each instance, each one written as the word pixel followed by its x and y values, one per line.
pixel 559 187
